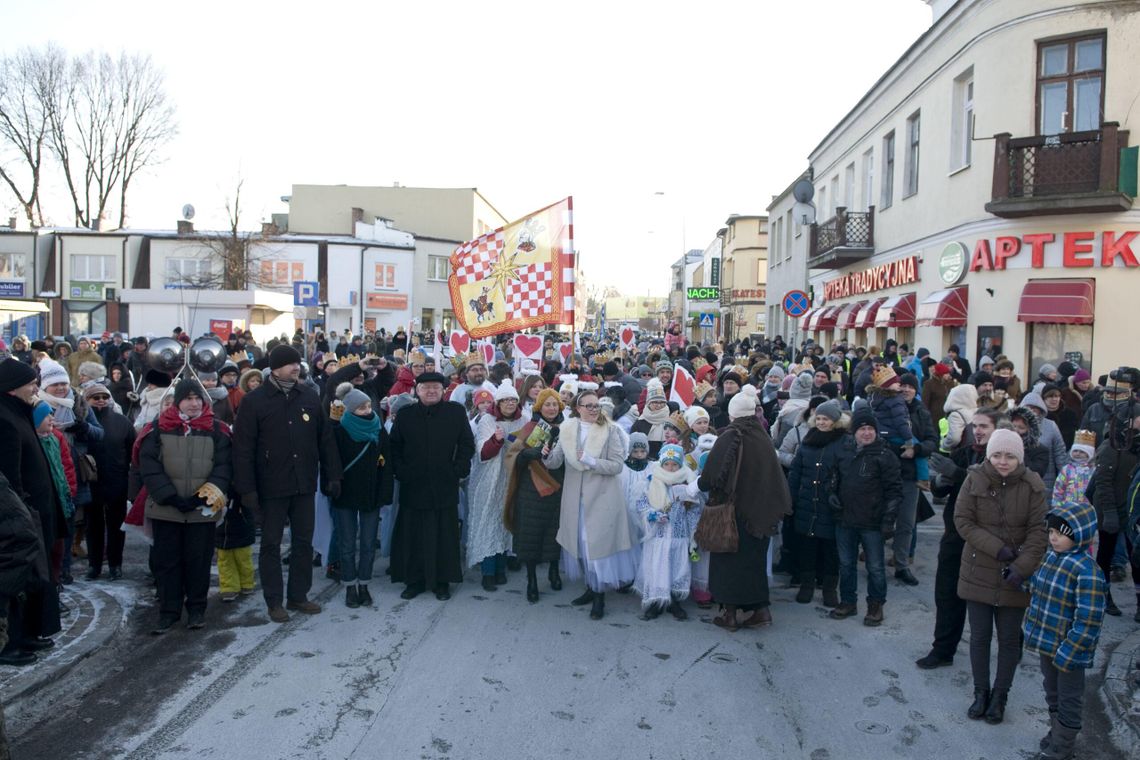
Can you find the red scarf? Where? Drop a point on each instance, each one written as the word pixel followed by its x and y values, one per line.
pixel 172 421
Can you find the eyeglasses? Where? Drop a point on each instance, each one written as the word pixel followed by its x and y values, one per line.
pixel 100 398
pixel 419 366
pixel 589 406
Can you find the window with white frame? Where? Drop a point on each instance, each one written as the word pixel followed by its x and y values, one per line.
pixel 776 242
pixel 888 182
pixel 439 268
pixel 962 124
pixel 868 177
pixel 821 210
pixel 849 186
pixel 836 200
pixel 188 272
pixel 385 276
pixel 913 125
pixel 93 267
pixel 788 226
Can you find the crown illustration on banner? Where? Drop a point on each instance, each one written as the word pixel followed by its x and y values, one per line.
pixel 1085 438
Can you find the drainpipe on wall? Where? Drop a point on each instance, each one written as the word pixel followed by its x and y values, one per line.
pixel 360 293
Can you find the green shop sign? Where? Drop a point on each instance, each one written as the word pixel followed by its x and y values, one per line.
pixel 85 291
pixel 703 294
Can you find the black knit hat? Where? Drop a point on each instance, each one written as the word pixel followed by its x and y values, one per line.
pixel 863 416
pixel 981 377
pixel 610 369
pixel 282 356
pixel 908 379
pixel 15 374
pixel 1059 524
pixel 187 386
pixel 157 379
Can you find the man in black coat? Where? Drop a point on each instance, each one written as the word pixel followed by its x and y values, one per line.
pixel 922 427
pixel 611 372
pixel 432 447
pixel 949 473
pixel 281 438
pixel 109 493
pixel 24 464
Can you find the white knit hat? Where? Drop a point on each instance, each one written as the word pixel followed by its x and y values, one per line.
pixel 743 404
pixel 654 391
pixel 694 413
pixel 506 390
pixel 51 373
pixel 1006 441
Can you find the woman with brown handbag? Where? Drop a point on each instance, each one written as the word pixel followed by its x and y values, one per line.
pixel 742 469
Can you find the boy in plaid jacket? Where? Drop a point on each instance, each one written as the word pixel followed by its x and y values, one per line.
pixel 1063 621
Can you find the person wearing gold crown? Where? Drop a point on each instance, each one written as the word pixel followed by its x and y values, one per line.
pixel 474 375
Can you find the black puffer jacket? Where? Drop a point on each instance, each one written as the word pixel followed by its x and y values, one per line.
pixel 870 486
pixel 367 484
pixel 22 555
pixel 813 479
pixel 113 454
pixel 280 441
pixel 922 427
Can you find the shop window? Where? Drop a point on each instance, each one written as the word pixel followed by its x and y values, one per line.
pixel 880 338
pixel 427 319
pixel 905 335
pixel 1070 84
pixel 861 338
pixel 989 343
pixel 86 320
pixel 954 336
pixel 449 323
pixel 1049 344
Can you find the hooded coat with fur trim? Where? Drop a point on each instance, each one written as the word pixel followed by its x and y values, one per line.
pixel 814 478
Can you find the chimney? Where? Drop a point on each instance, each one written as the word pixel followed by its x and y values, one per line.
pixel 12 222
pixel 269 229
pixel 357 216
pixel 185 227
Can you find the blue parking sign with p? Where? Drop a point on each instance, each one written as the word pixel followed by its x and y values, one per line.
pixel 305 293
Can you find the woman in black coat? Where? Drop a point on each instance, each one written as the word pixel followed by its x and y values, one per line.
pixel 362 444
pixel 813 480
pixel 108 493
pixel 530 514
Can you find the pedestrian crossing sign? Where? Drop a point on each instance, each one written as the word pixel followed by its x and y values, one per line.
pixel 706 320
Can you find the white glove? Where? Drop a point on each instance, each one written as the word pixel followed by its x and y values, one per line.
pixel 589 461
pixel 692 491
pixel 681 492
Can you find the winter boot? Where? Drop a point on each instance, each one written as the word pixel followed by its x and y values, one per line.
pixel 652 612
pixel 365 597
pixel 981 701
pixel 489 583
pixel 513 564
pixel 995 713
pixel 1110 607
pixel 598 610
pixel 1044 745
pixel 874 616
pixel 554 578
pixel 586 597
pixel 807 591
pixel 352 597
pixel 1061 744
pixel 844 611
pixel 677 610
pixel 830 595
pixel 531 582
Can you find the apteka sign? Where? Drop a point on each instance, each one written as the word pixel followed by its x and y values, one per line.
pixel 889 275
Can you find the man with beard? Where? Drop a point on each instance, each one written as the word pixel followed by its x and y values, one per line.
pixel 432 446
pixel 475 377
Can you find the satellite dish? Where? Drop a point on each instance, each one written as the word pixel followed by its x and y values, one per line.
pixel 187 212
pixel 803 191
pixel 804 213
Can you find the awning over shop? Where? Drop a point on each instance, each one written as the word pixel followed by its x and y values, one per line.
pixel 865 319
pixel 805 321
pixel 945 308
pixel 845 319
pixel 1067 302
pixel 31 307
pixel 897 311
pixel 824 319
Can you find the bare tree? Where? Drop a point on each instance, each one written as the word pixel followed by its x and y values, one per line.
pixel 108 121
pixel 28 81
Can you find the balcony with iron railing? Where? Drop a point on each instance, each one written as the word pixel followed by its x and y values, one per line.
pixel 845 238
pixel 1066 173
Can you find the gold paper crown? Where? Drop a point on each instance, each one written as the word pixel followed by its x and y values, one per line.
pixel 417 356
pixel 472 358
pixel 701 391
pixel 1085 438
pixel 677 420
pixel 601 358
pixel 351 358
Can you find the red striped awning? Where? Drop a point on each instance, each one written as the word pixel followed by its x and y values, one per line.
pixel 1065 302
pixel 865 319
pixel 805 320
pixel 824 319
pixel 845 319
pixel 897 311
pixel 945 308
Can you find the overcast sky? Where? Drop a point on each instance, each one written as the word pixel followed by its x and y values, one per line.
pixel 659 121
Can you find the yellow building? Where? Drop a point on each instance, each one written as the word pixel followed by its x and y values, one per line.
pixel 744 276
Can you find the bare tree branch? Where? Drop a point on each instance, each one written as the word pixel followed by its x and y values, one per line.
pixel 27 82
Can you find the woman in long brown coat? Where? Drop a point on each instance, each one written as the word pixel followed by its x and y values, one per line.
pixel 1000 513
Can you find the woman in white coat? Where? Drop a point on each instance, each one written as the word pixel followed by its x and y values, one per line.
pixel 593 529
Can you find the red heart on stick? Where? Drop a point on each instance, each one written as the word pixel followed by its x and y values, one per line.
pixel 565 349
pixel 528 346
pixel 683 388
pixel 488 352
pixel 460 342
pixel 627 336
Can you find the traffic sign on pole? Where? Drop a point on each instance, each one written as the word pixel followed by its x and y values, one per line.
pixel 796 303
pixel 707 319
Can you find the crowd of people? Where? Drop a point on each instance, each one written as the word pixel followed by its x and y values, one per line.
pixel 597 467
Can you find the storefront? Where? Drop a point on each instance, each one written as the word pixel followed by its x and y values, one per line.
pixel 1039 290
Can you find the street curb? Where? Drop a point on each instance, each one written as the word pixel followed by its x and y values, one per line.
pixel 107 616
pixel 1121 680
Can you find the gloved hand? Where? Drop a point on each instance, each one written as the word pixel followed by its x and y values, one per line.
pixel 79 428
pixel 1013 579
pixel 249 501
pixel 1110 522
pixel 692 491
pixel 187 503
pixel 333 489
pixel 888 529
pixel 944 466
pixel 1006 554
pixel 833 501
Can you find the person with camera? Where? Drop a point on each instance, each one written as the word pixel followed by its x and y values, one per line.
pixel 1118 391
pixel 282 436
pixel 1000 514
pixel 1116 459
